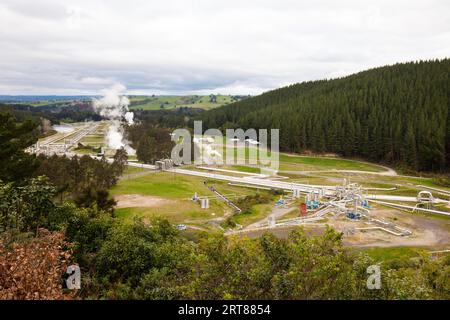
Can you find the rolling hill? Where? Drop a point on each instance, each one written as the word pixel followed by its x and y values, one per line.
pixel 191 101
pixel 397 114
pixel 137 102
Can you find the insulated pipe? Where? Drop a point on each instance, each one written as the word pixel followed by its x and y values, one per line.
pixel 382 229
pixel 412 208
pixel 435 189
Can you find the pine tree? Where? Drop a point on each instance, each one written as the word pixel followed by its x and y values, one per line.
pixel 396 114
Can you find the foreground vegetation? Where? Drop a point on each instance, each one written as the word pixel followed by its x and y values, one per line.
pixel 155 261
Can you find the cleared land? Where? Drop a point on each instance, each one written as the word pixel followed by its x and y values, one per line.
pixel 138 181
pixel 137 200
pixel 179 190
pixel 292 162
pixel 143 193
pixel 427 232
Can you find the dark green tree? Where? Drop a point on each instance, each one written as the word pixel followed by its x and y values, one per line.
pixel 16 164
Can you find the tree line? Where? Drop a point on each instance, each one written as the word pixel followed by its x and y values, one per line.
pixel 151 141
pixel 76 112
pixel 397 114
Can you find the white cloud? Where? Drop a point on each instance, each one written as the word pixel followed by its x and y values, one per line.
pixel 176 46
pixel 96 81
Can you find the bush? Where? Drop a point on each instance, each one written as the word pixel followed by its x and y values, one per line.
pixel 442 180
pixel 31 269
pixel 246 203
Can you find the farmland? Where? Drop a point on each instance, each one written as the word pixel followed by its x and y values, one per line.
pixel 172 102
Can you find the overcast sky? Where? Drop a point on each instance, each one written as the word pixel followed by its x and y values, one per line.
pixel 208 46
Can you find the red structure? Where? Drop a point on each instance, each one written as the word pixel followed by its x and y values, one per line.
pixel 303 211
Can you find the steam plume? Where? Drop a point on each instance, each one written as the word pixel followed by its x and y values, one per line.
pixel 114 106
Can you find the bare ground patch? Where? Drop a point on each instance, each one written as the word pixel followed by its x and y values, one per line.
pixel 140 201
pixel 426 232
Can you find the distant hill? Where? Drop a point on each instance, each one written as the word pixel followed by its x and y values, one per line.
pixel 191 101
pixel 154 102
pixel 39 100
pixel 397 114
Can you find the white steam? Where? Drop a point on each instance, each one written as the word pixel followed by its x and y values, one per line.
pixel 129 117
pixel 114 106
pixel 208 152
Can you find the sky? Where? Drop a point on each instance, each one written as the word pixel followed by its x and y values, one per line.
pixel 208 46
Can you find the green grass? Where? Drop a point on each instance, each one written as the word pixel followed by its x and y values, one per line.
pixel 126 213
pixel 173 186
pixel 84 151
pixel 246 169
pixel 258 212
pixel 406 186
pixel 422 214
pixel 46 102
pixel 324 163
pixel 190 212
pixel 393 253
pixel 310 180
pixel 129 170
pixel 428 182
pixel 288 162
pixel 295 213
pixel 97 138
pixel 178 189
pixel 160 184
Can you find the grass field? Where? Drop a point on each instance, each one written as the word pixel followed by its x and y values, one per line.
pixel 178 190
pixel 394 253
pixel 324 163
pixel 94 140
pixel 162 185
pixel 259 212
pixel 83 151
pixel 290 162
pixel 190 212
pixel 132 170
pixel 245 169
